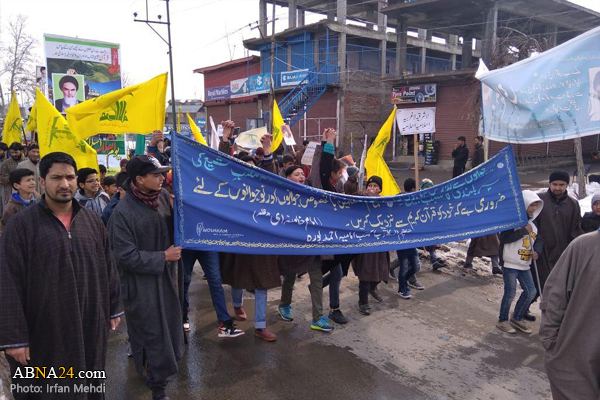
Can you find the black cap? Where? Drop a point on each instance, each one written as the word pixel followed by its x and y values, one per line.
pixel 559 176
pixel 376 180
pixel 142 165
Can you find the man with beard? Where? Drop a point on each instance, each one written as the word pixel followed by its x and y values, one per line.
pixel 32 163
pixel 141 233
pixel 16 156
pixel 69 87
pixel 559 224
pixel 59 288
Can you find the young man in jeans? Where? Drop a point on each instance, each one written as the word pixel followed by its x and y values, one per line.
pixel 408 259
pixel 209 261
pixel 518 249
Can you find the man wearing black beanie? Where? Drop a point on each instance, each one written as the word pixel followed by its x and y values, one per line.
pixel 558 224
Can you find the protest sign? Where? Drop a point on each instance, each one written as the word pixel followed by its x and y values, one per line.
pixel 309 153
pixel 416 120
pixel 223 204
pixel 552 96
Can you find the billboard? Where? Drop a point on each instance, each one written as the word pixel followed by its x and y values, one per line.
pixel 414 94
pixel 293 78
pixel 218 93
pixel 97 63
pixel 239 88
pixel 260 83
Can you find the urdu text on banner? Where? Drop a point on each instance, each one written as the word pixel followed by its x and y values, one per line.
pixel 413 121
pixel 223 204
pixel 552 96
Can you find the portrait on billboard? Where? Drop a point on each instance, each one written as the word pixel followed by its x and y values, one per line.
pixel 68 91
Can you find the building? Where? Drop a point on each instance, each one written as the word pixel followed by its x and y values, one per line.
pixel 340 71
pixel 196 110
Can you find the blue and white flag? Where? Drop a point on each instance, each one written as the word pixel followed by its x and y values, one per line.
pixel 223 204
pixel 552 96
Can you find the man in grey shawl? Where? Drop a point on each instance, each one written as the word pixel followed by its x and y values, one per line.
pixel 569 330
pixel 141 232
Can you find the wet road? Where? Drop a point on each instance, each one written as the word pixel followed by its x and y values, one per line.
pixel 441 344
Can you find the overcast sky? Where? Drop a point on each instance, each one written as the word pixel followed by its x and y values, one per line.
pixel 204 32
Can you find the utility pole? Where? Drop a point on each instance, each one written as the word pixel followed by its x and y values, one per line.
pixel 168 42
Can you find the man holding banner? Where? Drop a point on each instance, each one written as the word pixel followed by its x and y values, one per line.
pixel 141 233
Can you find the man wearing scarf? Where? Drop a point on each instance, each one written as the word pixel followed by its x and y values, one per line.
pixel 141 233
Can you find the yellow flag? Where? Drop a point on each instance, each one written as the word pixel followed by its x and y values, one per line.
pixel 32 119
pixel 13 123
pixel 375 164
pixel 54 134
pixel 277 124
pixel 135 109
pixel 197 134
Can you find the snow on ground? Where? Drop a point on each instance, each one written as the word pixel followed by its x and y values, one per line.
pixel 585 203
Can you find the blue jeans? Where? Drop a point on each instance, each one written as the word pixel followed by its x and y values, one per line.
pixel 260 305
pixel 409 266
pixel 510 277
pixel 432 254
pixel 334 279
pixel 209 261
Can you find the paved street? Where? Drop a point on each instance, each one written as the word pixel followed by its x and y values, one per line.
pixel 441 344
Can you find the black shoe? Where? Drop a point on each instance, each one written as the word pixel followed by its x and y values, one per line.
pixel 416 285
pixel 376 295
pixel 496 270
pixel 159 394
pixel 364 309
pixel 468 266
pixel 337 317
pixel 529 316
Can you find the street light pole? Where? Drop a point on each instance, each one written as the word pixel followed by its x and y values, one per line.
pixel 171 63
pixel 168 42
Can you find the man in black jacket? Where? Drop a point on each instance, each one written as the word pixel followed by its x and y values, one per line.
pixel 460 155
pixel 478 155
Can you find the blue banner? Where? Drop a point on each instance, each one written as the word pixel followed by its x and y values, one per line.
pixel 218 93
pixel 549 97
pixel 225 205
pixel 293 78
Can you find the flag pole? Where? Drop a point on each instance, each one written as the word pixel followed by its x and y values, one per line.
pixel 416 151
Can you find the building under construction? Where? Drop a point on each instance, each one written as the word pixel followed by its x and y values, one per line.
pixel 341 70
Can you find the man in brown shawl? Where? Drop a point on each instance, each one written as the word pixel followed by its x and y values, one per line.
pixel 559 224
pixel 59 288
pixel 569 330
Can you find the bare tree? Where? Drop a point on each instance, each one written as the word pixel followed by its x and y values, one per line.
pixel 17 67
pixel 126 79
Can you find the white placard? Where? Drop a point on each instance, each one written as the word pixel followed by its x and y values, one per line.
pixel 416 120
pixel 309 153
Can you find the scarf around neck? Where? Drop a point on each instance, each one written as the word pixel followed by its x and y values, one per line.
pixel 148 198
pixel 23 201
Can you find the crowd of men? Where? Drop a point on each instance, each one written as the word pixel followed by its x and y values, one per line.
pixel 79 249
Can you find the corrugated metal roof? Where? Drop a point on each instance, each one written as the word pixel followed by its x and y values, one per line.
pixel 227 64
